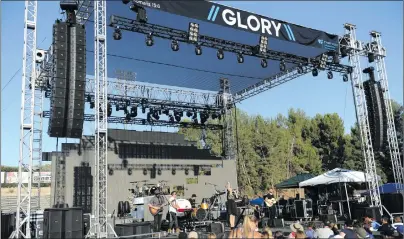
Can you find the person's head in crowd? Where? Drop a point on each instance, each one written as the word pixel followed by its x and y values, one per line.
pixel 193 235
pixel 311 226
pixel 211 235
pixel 327 223
pixel 250 224
pixel 268 231
pixel 340 235
pixel 297 227
pixel 385 220
pixel 193 196
pixel 397 219
pixel 182 235
pixel 278 235
pixel 367 219
pixel 265 235
pixel 349 224
pixel 174 194
pixel 300 235
pixel 361 232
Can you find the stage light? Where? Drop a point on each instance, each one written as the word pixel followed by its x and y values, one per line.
pixel 117 34
pixel 171 118
pixel 193 32
pixel 173 171
pixel 323 62
pixel 263 44
pixel 335 58
pixel 198 50
pixel 109 110
pixel 133 111
pixel 144 171
pixel 186 171
pixel 330 75
pixel 345 78
pixel 129 171
pixel 127 117
pixel 111 172
pixel 195 120
pixel 300 69
pixel 264 63
pixel 214 116
pixel 315 72
pixel 88 99
pixel 220 54
pixel 166 112
pixel 148 117
pixel 177 118
pixel 189 113
pixel 174 45
pixel 125 1
pixel 92 105
pixel 371 57
pixel 125 110
pixel 156 115
pixel 143 110
pixel 159 171
pixel 282 66
pixel 240 58
pixel 149 40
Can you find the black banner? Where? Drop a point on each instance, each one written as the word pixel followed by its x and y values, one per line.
pixel 242 20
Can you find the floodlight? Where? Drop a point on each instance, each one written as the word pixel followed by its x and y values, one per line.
pixel 240 58
pixel 345 78
pixel 193 32
pixel 282 65
pixel 371 57
pixel 117 34
pixel 263 44
pixel 329 75
pixel 323 61
pixel 174 45
pixel 220 54
pixel 315 72
pixel 133 111
pixel 264 63
pixel 149 40
pixel 198 50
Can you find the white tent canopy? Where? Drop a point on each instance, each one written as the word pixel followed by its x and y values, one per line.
pixel 337 175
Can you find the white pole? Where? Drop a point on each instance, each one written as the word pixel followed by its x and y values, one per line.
pixel 347 200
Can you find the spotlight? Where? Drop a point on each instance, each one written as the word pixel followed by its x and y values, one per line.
pixel 315 72
pixel 127 117
pixel 193 32
pixel 186 171
pixel 282 66
pixel 111 172
pixel 371 57
pixel 173 171
pixel 129 171
pixel 189 113
pixel 88 98
pixel 329 75
pixel 117 34
pixel 264 63
pixel 214 116
pixel 92 105
pixel 109 110
pixel 171 118
pixel 156 115
pixel 323 62
pixel 117 107
pixel 300 69
pixel 175 46
pixel 220 54
pixel 149 40
pixel 143 110
pixel 144 171
pixel 159 171
pixel 345 78
pixel 133 111
pixel 240 58
pixel 177 118
pixel 344 52
pixel 198 50
pixel 263 44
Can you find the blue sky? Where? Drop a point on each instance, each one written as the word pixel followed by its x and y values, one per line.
pixel 313 95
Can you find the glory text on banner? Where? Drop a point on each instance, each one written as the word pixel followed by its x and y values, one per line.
pixel 242 20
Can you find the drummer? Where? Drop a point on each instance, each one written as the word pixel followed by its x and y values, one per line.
pixel 192 200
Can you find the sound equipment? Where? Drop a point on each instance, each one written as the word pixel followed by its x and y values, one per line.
pixel 83 188
pixel 393 202
pixel 302 209
pixel 63 223
pixel 133 229
pixel 7 224
pixel 279 222
pixel 264 222
pixel 217 228
pixel 376 113
pixel 329 218
pixel 68 80
pixel 86 223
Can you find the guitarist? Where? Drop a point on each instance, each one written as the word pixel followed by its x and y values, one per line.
pixel 157 203
pixel 172 209
pixel 269 200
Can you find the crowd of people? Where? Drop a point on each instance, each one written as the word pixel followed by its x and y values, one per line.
pixel 353 229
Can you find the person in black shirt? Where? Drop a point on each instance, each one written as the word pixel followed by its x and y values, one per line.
pixel 231 205
pixel 270 212
pixel 157 202
pixel 192 200
pixel 386 229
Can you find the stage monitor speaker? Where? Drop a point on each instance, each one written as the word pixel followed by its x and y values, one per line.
pixel 7 224
pixel 74 220
pixel 133 229
pixel 376 113
pixel 216 227
pixel 53 223
pixel 374 212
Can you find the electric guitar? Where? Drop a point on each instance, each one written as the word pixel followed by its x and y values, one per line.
pixel 155 210
pixel 270 202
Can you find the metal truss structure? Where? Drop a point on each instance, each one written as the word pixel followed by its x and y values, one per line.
pixel 211 42
pixel 228 121
pixel 137 121
pixel 60 179
pixel 379 52
pixel 355 49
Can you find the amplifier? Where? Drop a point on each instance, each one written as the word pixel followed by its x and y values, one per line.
pixel 303 209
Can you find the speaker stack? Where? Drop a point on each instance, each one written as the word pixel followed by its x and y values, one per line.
pixel 68 80
pixel 83 188
pixel 63 223
pixel 376 110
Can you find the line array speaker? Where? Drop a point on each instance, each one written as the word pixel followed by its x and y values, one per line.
pixel 376 113
pixel 68 80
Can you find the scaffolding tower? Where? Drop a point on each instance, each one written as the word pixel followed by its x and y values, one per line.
pixel 355 49
pixel 379 53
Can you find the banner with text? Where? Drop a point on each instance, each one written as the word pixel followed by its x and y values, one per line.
pixel 12 177
pixel 246 21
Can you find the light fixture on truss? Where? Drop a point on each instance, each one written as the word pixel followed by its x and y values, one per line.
pixel 263 44
pixel 323 62
pixel 220 54
pixel 174 45
pixel 117 34
pixel 240 58
pixel 198 50
pixel 264 63
pixel 193 32
pixel 149 39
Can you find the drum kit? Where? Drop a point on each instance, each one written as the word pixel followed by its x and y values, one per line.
pixel 145 189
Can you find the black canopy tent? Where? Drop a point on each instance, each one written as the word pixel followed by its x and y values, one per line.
pixel 293 182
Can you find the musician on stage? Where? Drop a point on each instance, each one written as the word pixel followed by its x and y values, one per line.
pixel 270 200
pixel 172 209
pixel 231 205
pixel 157 203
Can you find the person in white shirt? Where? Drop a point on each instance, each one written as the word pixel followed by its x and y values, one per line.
pixel 324 232
pixel 172 209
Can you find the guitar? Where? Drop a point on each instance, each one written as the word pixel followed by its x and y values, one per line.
pixel 270 202
pixel 155 210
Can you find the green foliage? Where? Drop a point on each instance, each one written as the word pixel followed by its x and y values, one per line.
pixel 271 150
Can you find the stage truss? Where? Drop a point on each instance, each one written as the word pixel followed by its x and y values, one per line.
pixel 33 87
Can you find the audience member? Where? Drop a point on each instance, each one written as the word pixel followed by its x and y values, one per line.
pixel 324 232
pixel 349 230
pixel 310 233
pixel 370 223
pixel 386 229
pixel 399 225
pixel 182 235
pixel 300 235
pixel 334 228
pixel 193 235
pixel 278 235
pixel 360 230
pixel 250 227
pixel 268 231
pixel 211 235
pixel 295 227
